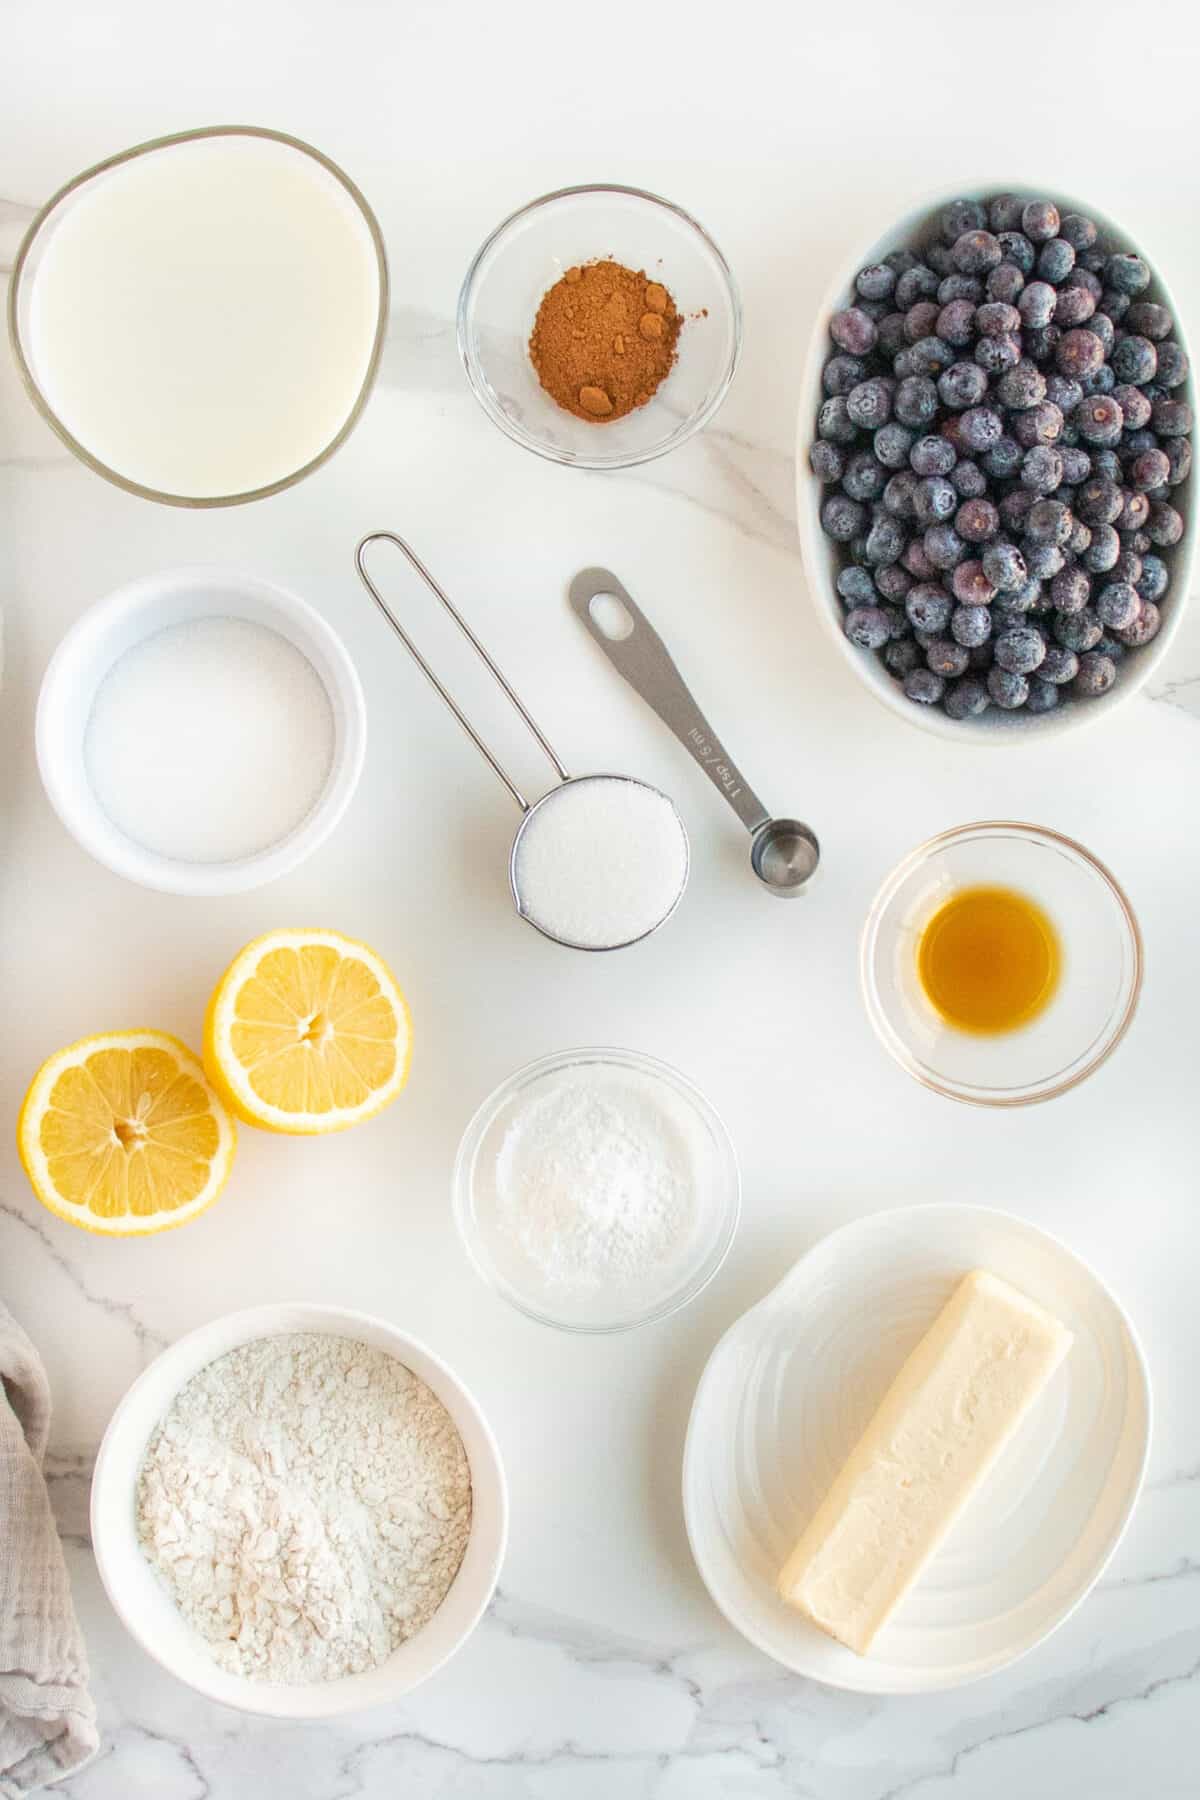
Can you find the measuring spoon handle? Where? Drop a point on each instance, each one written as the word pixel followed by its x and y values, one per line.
pixel 644 660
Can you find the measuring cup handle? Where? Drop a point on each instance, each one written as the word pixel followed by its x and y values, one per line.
pixel 644 660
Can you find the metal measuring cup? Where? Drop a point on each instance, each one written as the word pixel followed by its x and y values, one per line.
pixel 566 784
pixel 783 852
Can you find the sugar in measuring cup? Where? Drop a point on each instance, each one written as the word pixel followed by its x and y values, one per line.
pixel 600 861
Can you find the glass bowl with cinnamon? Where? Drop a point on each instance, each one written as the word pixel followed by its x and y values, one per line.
pixel 599 326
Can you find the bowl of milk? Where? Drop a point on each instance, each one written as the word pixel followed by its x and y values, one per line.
pixel 200 731
pixel 200 318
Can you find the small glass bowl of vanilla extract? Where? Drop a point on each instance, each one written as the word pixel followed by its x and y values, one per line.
pixel 1001 963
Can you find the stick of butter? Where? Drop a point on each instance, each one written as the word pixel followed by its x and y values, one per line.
pixel 939 1428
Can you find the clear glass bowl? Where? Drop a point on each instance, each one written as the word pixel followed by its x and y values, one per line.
pixel 533 249
pixel 1099 983
pixel 40 235
pixel 506 1269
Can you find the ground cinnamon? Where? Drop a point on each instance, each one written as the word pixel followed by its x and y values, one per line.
pixel 604 339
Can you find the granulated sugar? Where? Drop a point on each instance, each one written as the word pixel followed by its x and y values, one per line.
pixel 596 1186
pixel 601 861
pixel 210 741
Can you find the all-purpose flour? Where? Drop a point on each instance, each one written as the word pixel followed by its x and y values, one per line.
pixel 307 1501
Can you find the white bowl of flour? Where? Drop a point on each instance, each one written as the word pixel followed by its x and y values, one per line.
pixel 299 1511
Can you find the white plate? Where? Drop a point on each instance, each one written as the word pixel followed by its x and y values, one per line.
pixel 792 1384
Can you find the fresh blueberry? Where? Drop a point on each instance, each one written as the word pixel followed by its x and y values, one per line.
pixel 917 563
pixel 1043 695
pixel 842 518
pixel 966 699
pixel 1144 628
pixel 1172 365
pixel 891 336
pixel 943 546
pixel 1080 538
pixel 1004 212
pixel 971 626
pixel 828 460
pixel 1007 688
pixel 1040 424
pixel 928 607
pixel 977 251
pixel 956 323
pixel 1101 326
pixel 1179 455
pixel 1152 321
pixel 1004 567
pixel 1040 221
pixel 932 456
pixel 1077 465
pixel 963 384
pixel 1134 405
pixel 1098 501
pixel 930 355
pixel 1128 566
pixel 1075 306
pixel 981 429
pixel 1078 353
pixel 893 582
pixel 1149 469
pixel 1042 560
pixel 1041 469
pixel 1103 551
pixel 841 373
pixel 1115 304
pixel 923 686
pixel 1070 590
pixel 960 216
pixel 970 481
pixel 916 283
pixel 920 320
pixel 867 626
pixel 1040 342
pixel 870 403
pixel 1055 260
pixel 1065 392
pixel 1058 665
pixel 1100 381
pixel 899 494
pixel 1128 274
pixel 995 354
pixel 1165 524
pixel 1014 507
pixel 1017 250
pixel 1095 676
pixel 1082 277
pixel 856 587
pixel 972 585
pixel 877 282
pixel 1135 360
pixel 1021 386
pixel 853 331
pixel 1077 231
pixel 977 520
pixel 934 499
pixel 1100 419
pixel 1048 522
pixel 1079 631
pixel 1171 418
pixel 886 539
pixel 947 658
pixel 1118 605
pixel 901 655
pixel 959 287
pixel 1135 511
pixel 916 402
pixel 1005 282
pixel 892 444
pixel 864 478
pixel 997 319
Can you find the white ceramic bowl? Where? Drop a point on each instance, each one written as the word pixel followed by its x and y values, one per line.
pixel 790 1387
pixel 145 1607
pixel 129 616
pixel 822 558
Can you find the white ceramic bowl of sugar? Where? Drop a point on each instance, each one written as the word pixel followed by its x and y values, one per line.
pixel 223 601
pixel 140 1598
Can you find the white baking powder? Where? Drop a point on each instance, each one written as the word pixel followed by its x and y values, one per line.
pixel 601 861
pixel 210 741
pixel 595 1186
pixel 307 1501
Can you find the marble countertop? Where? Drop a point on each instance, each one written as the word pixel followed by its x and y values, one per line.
pixel 603 1670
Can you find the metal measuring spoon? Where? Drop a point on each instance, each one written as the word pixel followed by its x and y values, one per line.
pixel 783 852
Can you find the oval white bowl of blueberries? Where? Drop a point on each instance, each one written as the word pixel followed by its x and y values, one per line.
pixel 993 461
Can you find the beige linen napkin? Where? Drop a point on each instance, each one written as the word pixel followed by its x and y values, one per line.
pixel 47 1719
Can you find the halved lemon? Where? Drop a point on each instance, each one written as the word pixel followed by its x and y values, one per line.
pixel 307 1032
pixel 123 1135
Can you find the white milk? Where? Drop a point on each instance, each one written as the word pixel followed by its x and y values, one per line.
pixel 202 317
